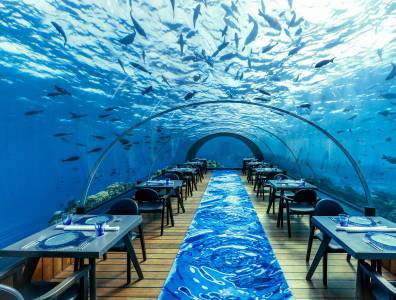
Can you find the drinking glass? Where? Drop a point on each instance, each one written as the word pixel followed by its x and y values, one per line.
pixel 99 229
pixel 343 219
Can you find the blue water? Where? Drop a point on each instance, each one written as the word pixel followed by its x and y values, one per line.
pixel 63 103
pixel 225 254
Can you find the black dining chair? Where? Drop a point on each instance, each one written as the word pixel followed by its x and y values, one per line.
pixel 74 286
pixel 150 202
pixel 187 183
pixel 302 203
pixel 273 194
pixel 130 208
pixel 372 285
pixel 325 207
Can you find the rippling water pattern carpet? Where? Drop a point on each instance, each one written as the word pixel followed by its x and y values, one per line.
pixel 225 254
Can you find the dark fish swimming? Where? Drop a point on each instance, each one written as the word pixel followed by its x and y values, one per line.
pixel 61 134
pixel 147 90
pixel 98 137
pixel 224 31
pixel 295 50
pixel 392 73
pixel 97 149
pixel 390 159
pixel 122 66
pixel 71 158
pixel 181 42
pixel 173 7
pixel 111 108
pixel 33 112
pixel 228 56
pixel 268 47
pixel 137 26
pixel 77 116
pixel 264 92
pixel 140 67
pixel 389 96
pixel 104 116
pixel 305 105
pixel 164 79
pixel 324 62
pixel 128 39
pixel 144 56
pixel 124 141
pixel 220 48
pixel 236 40
pixel 189 95
pixel 60 31
pixel 197 12
pixel 271 21
pixel 231 24
pixel 253 33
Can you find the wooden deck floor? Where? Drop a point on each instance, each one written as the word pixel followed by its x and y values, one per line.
pixel 161 253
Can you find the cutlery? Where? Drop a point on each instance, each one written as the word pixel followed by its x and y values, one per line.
pixel 33 243
pixel 85 243
pixel 373 245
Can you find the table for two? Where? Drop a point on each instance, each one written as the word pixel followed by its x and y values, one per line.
pixel 34 247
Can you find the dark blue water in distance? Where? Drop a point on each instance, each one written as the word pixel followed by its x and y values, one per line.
pixel 225 253
pixel 75 74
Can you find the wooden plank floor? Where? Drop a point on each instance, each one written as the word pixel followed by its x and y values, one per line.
pixel 161 253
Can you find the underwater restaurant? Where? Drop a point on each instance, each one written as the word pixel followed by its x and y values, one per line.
pixel 198 149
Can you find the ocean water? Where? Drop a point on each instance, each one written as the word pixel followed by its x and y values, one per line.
pixel 75 75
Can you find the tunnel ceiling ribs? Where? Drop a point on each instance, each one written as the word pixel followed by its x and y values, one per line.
pixel 248 142
pixel 107 150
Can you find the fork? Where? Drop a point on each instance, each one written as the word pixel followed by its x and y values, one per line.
pixel 373 245
pixel 33 243
pixel 85 243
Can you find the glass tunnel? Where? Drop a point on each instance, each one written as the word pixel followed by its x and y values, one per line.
pixel 98 96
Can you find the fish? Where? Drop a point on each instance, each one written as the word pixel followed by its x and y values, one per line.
pixel 111 108
pixel 391 159
pixel 236 40
pixel 392 73
pixel 144 56
pixel 197 77
pixel 305 105
pixel 388 139
pixel 128 39
pixel 389 95
pixel 139 29
pixel 352 117
pixel 268 48
pixel 241 76
pixel 379 53
pixel 189 95
pixel 253 33
pixel 122 66
pixel 227 10
pixel 124 141
pixel 220 48
pixel 147 90
pixel 61 134
pixel 97 149
pixel 290 3
pixel 60 31
pixel 197 12
pixel 173 3
pixel 104 116
pixel 224 31
pixel 272 22
pixel 71 158
pixel 77 116
pixel 140 67
pixel 33 112
pixel 262 99
pixel 227 68
pixel 264 92
pixel 249 61
pixel 98 137
pixel 181 42
pixel 115 119
pixel 298 31
pixel 324 62
pixel 164 79
pixel 231 24
pixel 295 50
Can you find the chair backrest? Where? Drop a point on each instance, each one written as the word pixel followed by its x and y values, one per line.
pixel 146 195
pixel 9 293
pixel 327 207
pixel 280 176
pixel 305 196
pixel 124 207
pixel 178 174
pixel 170 176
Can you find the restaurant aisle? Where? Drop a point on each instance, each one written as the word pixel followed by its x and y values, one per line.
pixel 226 251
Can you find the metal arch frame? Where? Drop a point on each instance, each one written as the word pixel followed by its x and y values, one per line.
pixel 196 104
pixel 191 153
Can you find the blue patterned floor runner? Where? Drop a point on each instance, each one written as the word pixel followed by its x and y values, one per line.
pixel 225 254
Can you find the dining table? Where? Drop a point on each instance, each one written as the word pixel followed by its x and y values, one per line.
pixel 57 241
pixel 286 185
pixel 365 244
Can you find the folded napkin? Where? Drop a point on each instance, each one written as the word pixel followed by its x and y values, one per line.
pixel 365 229
pixel 86 227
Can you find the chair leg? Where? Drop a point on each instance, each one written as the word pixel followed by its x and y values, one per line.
pixel 348 258
pixel 162 220
pixel 325 268
pixel 167 215
pixel 105 256
pixel 310 241
pixel 288 218
pixel 76 264
pixel 128 268
pixel 142 244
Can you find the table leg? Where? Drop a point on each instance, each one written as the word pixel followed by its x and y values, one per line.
pixel 133 256
pixel 322 248
pixel 92 279
pixel 180 199
pixel 30 267
pixel 280 211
